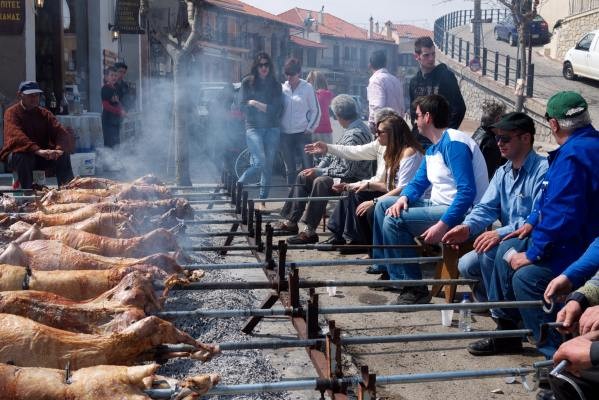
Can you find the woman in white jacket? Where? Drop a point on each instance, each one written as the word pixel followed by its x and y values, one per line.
pixel 398 155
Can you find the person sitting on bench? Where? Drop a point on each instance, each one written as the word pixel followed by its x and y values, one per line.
pixel 455 171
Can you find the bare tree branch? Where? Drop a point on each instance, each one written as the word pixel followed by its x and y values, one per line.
pixel 193 18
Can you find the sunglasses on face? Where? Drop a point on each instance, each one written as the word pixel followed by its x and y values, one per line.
pixel 380 131
pixel 263 65
pixel 505 138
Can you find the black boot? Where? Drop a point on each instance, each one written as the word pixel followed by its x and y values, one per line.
pixel 493 346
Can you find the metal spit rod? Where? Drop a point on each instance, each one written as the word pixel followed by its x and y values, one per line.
pixel 319 263
pixel 283 199
pixel 304 284
pixel 352 380
pixel 353 340
pixel 233 313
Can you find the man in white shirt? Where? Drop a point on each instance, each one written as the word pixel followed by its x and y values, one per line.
pixel 384 89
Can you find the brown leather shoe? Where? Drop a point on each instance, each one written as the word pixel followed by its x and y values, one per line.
pixel 303 238
pixel 284 227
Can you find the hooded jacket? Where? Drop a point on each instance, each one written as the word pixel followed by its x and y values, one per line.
pixel 443 82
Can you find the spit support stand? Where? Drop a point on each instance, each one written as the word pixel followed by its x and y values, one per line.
pixel 333 351
pixel 312 329
pixel 367 387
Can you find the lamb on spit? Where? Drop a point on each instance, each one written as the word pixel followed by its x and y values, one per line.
pixel 103 382
pixel 136 208
pixel 159 240
pixel 49 255
pixel 90 182
pixel 116 193
pixel 130 301
pixel 27 343
pixel 84 284
pixel 43 219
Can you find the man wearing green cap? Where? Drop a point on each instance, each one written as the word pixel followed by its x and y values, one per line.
pixel 563 223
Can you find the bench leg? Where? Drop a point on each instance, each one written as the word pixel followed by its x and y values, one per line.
pixel 447 269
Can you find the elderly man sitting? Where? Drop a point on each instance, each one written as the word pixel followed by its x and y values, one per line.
pixel 318 181
pixel 33 138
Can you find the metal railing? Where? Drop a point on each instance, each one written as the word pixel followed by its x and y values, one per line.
pixel 502 68
pixel 580 6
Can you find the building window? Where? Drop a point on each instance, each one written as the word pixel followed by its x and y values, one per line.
pixel 354 53
pixel 346 53
pixel 363 59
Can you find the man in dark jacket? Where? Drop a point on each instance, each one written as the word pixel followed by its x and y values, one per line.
pixel 485 137
pixel 433 79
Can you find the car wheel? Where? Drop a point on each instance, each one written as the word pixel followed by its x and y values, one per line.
pixel 512 40
pixel 568 71
pixel 496 34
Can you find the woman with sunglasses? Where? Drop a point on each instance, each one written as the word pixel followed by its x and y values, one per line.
pixel 262 103
pixel 398 155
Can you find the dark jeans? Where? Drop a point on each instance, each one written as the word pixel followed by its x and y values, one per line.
pixel 588 382
pixel 524 284
pixel 24 164
pixel 292 148
pixel 262 144
pixel 344 223
pixel 318 187
pixel 111 131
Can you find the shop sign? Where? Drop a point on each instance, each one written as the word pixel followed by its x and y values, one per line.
pixel 12 17
pixel 127 17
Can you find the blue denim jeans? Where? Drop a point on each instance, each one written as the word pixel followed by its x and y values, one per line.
pixel 478 266
pixel 263 144
pixel 526 283
pixel 292 148
pixel 390 230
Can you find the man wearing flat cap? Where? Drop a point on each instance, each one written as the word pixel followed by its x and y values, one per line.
pixel 563 223
pixel 509 199
pixel 33 138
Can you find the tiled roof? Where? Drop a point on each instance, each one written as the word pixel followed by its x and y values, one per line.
pixel 300 41
pixel 411 31
pixel 332 25
pixel 241 7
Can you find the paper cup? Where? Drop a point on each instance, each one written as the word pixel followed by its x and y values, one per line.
pixel 446 317
pixel 331 290
pixel 336 181
pixel 507 256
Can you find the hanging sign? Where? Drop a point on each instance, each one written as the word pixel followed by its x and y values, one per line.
pixel 12 17
pixel 127 17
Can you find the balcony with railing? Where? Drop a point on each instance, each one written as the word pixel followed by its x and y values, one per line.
pixel 225 39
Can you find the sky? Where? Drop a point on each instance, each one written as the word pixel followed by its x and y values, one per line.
pixel 415 12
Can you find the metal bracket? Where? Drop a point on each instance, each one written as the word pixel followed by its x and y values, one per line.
pixel 312 316
pixel 257 232
pixel 293 286
pixel 250 214
pixel 237 198
pixel 333 351
pixel 367 388
pixel 269 236
pixel 244 207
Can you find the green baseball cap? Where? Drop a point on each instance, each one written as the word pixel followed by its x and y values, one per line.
pixel 564 105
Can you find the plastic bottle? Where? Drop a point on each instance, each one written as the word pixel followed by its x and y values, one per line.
pixel 465 323
pixel 77 104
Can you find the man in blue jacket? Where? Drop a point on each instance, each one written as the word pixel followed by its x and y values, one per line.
pixel 563 223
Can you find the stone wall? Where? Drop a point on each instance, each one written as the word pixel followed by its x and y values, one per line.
pixel 477 88
pixel 571 30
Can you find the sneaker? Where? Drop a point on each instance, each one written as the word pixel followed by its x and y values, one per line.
pixel 334 241
pixel 354 250
pixel 493 346
pixel 286 227
pixel 376 270
pixel 303 238
pixel 413 295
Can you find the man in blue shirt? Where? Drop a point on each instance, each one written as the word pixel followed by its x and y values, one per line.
pixel 455 171
pixel 563 223
pixel 509 199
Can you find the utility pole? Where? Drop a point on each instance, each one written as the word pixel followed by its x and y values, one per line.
pixel 477 24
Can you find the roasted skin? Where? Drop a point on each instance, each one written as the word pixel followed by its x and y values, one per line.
pixel 129 301
pixel 49 255
pixel 159 240
pixel 89 182
pixel 27 344
pixel 84 284
pixel 42 219
pixel 113 193
pixel 103 382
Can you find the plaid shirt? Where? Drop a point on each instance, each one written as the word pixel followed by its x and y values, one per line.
pixel 349 171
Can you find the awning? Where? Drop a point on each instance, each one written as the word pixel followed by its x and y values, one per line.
pixel 306 43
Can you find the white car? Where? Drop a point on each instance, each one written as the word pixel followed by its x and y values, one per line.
pixel 583 60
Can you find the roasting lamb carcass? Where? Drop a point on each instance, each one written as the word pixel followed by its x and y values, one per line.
pixel 124 192
pixel 29 344
pixel 103 382
pixel 159 240
pixel 104 183
pixel 39 217
pixel 135 208
pixel 129 301
pixel 84 284
pixel 49 255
